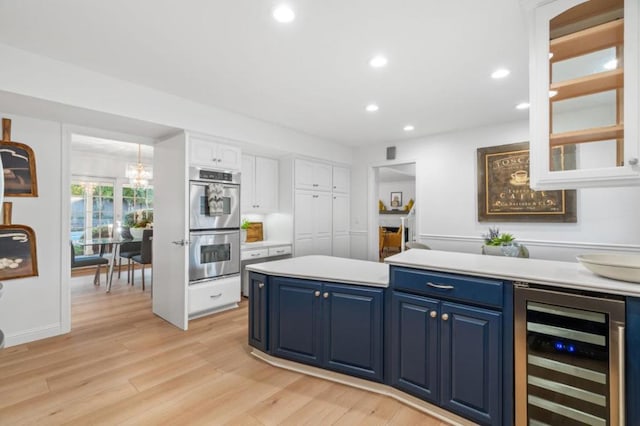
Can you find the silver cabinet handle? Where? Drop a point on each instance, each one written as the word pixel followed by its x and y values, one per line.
pixel 181 243
pixel 279 251
pixel 326 295
pixel 260 285
pixel 445 317
pixel 255 254
pixel 315 184
pixel 440 286
pixel 317 293
pixel 633 162
pixel 433 314
pixel 215 296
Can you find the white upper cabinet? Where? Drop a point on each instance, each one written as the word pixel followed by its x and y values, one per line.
pixel 207 152
pixel 259 184
pixel 584 93
pixel 341 181
pixel 313 175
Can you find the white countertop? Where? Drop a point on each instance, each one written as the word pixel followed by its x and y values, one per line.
pixel 327 268
pixel 535 271
pixel 263 244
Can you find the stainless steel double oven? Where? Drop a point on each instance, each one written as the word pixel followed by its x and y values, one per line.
pixel 214 224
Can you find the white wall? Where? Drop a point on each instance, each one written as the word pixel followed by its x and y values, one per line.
pixel 32 308
pixel 407 187
pixel 446 186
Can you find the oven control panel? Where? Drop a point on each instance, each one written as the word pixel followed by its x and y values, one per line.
pixel 215 175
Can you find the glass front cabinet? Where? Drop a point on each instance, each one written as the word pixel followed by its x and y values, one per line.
pixel 584 115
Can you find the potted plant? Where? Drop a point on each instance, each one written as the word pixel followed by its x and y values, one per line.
pixel 139 220
pixel 243 229
pixel 498 243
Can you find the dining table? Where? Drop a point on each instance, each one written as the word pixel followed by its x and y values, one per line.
pixel 105 243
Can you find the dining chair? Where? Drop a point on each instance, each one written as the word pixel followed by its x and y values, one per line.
pixel 394 239
pixel 127 251
pixel 89 260
pixel 145 257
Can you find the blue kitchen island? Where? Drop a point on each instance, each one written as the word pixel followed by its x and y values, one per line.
pixel 432 329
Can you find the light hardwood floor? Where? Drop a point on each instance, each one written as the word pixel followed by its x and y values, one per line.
pixel 122 365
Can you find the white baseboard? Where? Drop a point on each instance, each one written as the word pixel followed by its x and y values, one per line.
pixel 33 334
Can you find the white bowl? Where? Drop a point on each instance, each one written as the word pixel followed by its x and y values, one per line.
pixel 624 267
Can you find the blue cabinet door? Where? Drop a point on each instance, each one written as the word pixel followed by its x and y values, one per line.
pixel 471 360
pixel 352 318
pixel 295 319
pixel 414 345
pixel 258 304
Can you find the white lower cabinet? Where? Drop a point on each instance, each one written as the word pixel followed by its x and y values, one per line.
pixel 312 217
pixel 340 225
pixel 279 251
pixel 254 254
pixel 213 296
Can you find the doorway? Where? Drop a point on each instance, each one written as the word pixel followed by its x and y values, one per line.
pixel 393 208
pixel 105 198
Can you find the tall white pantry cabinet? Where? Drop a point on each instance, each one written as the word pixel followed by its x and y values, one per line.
pixel 316 193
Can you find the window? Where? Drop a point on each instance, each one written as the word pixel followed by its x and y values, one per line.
pixel 136 199
pixel 92 212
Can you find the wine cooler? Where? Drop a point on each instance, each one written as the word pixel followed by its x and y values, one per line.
pixel 569 358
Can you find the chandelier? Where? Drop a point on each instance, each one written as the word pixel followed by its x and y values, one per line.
pixel 139 174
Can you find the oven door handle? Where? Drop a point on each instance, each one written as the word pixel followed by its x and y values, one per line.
pixel 225 185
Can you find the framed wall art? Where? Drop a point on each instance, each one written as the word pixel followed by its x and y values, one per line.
pixel 17 248
pixel 19 165
pixel 396 200
pixel 504 194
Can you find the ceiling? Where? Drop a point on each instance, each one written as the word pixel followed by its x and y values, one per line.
pixel 311 75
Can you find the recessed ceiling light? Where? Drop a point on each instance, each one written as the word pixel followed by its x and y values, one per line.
pixel 500 73
pixel 378 61
pixel 408 128
pixel 283 14
pixel 552 93
pixel 611 65
pixel 523 105
pixel 372 108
